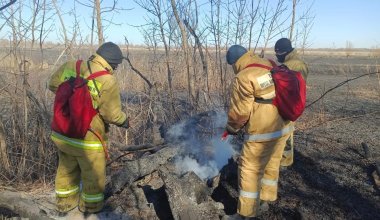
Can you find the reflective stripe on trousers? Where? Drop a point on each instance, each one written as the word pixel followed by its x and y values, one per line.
pixel 254 195
pixel 251 195
pixel 62 193
pixel 269 136
pixel 78 143
pixel 92 198
pixel 269 182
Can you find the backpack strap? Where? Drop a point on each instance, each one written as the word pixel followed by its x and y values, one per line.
pixel 258 65
pixel 97 74
pixel 94 75
pixel 77 67
pixel 272 62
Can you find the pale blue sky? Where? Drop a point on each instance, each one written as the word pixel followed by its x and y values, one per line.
pixel 340 20
pixel 336 22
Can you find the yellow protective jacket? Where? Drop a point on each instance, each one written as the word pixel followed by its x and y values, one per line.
pixel 107 103
pixel 293 62
pixel 250 85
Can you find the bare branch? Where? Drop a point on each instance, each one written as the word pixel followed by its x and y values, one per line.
pixel 8 4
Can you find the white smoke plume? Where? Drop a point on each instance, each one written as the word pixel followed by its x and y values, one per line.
pixel 205 152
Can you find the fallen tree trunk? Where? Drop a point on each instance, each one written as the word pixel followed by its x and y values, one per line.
pixel 189 197
pixel 24 207
pixel 133 170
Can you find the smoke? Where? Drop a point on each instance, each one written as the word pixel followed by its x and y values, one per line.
pixel 186 164
pixel 204 151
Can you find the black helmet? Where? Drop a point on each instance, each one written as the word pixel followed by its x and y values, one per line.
pixel 234 53
pixel 283 46
pixel 111 53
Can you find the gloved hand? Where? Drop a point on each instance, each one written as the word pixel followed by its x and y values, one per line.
pixel 229 131
pixel 125 124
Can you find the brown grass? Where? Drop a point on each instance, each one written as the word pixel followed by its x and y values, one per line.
pixel 27 153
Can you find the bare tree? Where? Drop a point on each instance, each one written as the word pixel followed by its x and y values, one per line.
pixel 99 21
pixel 253 15
pixel 306 27
pixel 292 24
pixel 303 25
pixel 64 31
pixel 274 23
pixel 185 49
pixel 219 30
pixel 238 14
pixel 157 22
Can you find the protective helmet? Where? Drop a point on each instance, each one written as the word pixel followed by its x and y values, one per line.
pixel 234 53
pixel 283 46
pixel 111 53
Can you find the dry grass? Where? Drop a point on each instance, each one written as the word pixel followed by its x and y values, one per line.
pixel 27 153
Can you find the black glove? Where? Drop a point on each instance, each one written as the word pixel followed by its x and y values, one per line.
pixel 231 131
pixel 125 124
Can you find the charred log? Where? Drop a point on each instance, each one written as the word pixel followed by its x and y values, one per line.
pixel 133 170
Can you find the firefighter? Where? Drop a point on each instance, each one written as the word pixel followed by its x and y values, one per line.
pixel 81 168
pixel 265 131
pixel 288 56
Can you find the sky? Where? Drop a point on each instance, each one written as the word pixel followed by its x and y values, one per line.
pixel 339 21
pixel 336 22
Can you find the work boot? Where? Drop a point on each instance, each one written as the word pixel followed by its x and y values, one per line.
pixel 264 207
pixel 67 204
pixel 90 208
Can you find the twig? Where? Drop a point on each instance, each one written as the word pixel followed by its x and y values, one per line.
pixel 7 5
pixel 134 69
pixel 339 85
pixel 131 149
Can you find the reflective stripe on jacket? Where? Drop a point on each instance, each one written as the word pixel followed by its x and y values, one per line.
pixel 269 136
pixel 77 143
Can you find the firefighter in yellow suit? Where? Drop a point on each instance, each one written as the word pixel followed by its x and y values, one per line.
pixel 83 160
pixel 265 131
pixel 288 56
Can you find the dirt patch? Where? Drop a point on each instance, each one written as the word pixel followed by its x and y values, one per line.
pixel 7 213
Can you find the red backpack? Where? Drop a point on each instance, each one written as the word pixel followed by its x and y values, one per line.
pixel 73 109
pixel 290 90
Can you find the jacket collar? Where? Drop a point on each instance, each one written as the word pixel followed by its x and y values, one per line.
pixel 247 59
pixel 98 60
pixel 291 55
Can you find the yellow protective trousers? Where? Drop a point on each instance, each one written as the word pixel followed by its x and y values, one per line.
pixel 288 155
pixel 258 170
pixel 83 162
